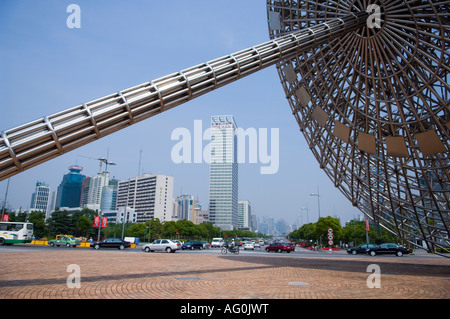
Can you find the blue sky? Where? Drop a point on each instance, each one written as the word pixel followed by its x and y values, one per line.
pixel 46 67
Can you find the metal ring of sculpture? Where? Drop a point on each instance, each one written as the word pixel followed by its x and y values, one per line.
pixel 369 92
pixel 373 106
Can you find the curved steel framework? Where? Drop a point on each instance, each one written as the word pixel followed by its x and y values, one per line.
pixel 373 106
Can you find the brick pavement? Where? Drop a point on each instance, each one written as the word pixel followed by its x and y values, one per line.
pixel 117 274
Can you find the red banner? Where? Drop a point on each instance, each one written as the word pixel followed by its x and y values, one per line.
pixel 367 225
pixel 5 218
pixel 97 221
pixel 104 221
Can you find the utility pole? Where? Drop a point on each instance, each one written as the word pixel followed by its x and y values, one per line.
pixel 4 202
pixel 318 199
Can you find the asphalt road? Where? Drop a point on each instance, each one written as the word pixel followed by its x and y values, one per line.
pixel 299 252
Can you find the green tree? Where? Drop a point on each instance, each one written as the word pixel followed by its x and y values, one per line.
pixel 169 229
pixel 155 228
pixel 207 230
pixel 38 220
pixel 19 217
pixel 60 223
pixel 306 232
pixel 354 231
pixel 136 230
pixel 322 227
pixel 85 225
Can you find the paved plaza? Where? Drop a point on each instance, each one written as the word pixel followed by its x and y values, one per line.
pixel 105 274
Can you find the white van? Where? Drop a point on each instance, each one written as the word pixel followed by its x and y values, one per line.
pixel 217 242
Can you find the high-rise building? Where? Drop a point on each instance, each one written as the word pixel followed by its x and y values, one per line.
pixel 186 205
pixel 69 191
pixel 223 173
pixel 151 196
pixel 254 222
pixel 109 196
pixel 200 216
pixel 244 215
pixel 85 191
pixel 94 195
pixel 40 198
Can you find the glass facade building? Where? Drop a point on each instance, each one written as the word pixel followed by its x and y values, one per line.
pixel 69 191
pixel 223 173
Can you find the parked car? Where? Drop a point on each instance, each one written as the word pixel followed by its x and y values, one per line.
pixel 388 248
pixel 249 245
pixel 361 249
pixel 280 247
pixel 64 241
pixel 192 244
pixel 167 245
pixel 217 242
pixel 111 243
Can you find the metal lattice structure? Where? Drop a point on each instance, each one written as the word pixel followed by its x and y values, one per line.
pixel 373 106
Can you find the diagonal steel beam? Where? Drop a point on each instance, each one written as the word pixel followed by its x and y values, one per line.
pixel 36 142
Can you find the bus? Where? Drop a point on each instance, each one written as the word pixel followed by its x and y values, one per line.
pixel 15 233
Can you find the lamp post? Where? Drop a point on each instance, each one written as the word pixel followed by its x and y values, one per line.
pixel 125 218
pixel 4 202
pixel 100 215
pixel 318 199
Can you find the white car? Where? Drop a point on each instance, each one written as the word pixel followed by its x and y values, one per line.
pixel 249 245
pixel 167 245
pixel 217 242
pixel 256 244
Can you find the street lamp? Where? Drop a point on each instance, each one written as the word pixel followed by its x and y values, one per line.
pixel 318 199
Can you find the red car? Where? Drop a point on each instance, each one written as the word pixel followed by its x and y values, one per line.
pixel 280 247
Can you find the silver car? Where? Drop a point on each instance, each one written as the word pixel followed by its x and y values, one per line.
pixel 166 245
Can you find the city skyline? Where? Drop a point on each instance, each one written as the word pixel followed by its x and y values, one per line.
pixel 60 74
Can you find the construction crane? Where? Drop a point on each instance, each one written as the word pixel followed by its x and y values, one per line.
pixel 101 160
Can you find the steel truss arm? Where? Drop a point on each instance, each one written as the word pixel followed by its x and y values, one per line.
pixel 41 140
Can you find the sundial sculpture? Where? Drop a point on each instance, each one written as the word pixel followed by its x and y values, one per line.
pixel 367 82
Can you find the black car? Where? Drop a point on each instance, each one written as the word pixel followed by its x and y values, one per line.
pixel 389 249
pixel 361 249
pixel 192 244
pixel 111 243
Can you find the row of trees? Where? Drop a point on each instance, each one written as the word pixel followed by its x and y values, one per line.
pixel 354 232
pixel 81 224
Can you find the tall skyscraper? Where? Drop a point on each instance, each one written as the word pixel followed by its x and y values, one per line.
pixel 223 173
pixel 69 191
pixel 109 196
pixel 40 198
pixel 150 195
pixel 244 215
pixel 85 191
pixel 96 184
